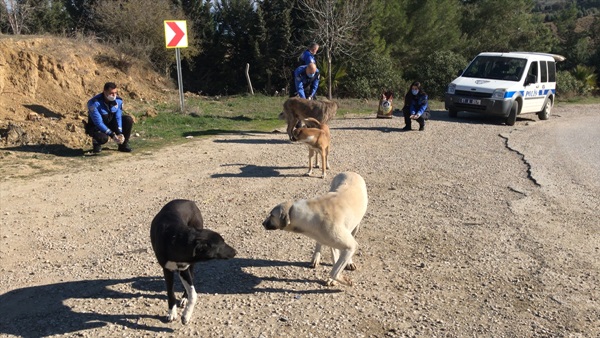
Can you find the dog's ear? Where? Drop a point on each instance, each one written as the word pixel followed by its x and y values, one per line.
pixel 199 247
pixel 285 214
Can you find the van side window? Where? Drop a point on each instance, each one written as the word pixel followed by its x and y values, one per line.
pixel 544 71
pixel 551 71
pixel 533 70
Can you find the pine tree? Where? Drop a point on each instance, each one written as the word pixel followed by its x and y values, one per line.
pixel 277 44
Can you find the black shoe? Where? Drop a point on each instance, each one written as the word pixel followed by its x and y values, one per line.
pixel 422 128
pixel 406 128
pixel 97 148
pixel 125 147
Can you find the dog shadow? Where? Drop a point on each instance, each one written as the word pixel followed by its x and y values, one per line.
pixel 251 170
pixel 41 310
pixel 215 277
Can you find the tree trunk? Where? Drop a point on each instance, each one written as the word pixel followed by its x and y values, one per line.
pixel 329 84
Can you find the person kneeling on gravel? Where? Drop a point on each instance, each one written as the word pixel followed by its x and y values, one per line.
pixel 106 120
pixel 416 106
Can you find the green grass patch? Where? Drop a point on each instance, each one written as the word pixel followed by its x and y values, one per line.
pixel 207 116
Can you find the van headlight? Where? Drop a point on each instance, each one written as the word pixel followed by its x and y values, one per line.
pixel 451 88
pixel 498 94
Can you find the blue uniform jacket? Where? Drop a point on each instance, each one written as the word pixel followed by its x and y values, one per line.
pixel 303 82
pixel 101 113
pixel 419 104
pixel 306 57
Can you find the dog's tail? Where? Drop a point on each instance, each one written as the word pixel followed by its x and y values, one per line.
pixel 312 120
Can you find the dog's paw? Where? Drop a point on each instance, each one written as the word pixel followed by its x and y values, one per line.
pixel 350 267
pixel 346 281
pixel 172 314
pixel 186 315
pixel 308 173
pixel 313 265
pixel 185 320
pixel 189 309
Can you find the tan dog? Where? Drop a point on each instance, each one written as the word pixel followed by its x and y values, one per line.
pixel 318 141
pixel 332 220
pixel 296 109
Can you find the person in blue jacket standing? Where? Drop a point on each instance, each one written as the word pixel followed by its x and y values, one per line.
pixel 306 81
pixel 416 106
pixel 308 56
pixel 106 120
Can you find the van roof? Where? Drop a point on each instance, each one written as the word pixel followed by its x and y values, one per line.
pixel 528 55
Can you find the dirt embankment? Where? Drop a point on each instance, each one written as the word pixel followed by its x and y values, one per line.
pixel 45 83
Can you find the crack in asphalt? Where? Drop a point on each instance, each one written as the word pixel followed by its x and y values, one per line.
pixel 529 173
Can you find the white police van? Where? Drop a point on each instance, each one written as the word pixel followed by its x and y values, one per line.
pixel 505 84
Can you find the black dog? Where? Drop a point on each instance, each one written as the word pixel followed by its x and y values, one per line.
pixel 179 240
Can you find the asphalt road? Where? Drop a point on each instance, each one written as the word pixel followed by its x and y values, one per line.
pixel 563 154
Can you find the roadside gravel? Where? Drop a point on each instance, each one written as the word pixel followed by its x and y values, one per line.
pixel 459 239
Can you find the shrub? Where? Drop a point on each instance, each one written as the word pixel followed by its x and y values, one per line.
pixel 436 71
pixel 370 76
pixel 567 85
pixel 586 77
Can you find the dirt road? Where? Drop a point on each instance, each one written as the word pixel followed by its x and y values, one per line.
pixel 473 229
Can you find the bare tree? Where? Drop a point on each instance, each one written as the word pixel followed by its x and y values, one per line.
pixel 137 29
pixel 17 13
pixel 335 25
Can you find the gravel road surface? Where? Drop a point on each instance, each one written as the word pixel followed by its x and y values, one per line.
pixel 474 229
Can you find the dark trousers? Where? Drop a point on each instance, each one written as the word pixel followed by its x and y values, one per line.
pixel 408 120
pixel 100 137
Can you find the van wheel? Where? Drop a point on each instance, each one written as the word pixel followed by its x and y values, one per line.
pixel 452 112
pixel 512 116
pixel 545 113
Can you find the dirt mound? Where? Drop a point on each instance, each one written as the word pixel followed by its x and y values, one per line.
pixel 45 83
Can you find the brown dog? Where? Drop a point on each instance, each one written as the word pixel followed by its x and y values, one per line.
pixel 296 109
pixel 318 141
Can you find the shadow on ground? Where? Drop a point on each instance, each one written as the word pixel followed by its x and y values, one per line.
pixel 43 311
pixel 213 132
pixel 52 149
pixel 397 123
pixel 41 110
pixel 251 170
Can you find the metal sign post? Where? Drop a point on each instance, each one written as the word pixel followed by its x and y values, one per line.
pixel 179 79
pixel 176 37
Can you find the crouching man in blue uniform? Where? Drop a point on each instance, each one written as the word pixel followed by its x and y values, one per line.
pixel 306 81
pixel 106 120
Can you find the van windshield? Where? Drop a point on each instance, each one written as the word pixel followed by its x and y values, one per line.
pixel 496 68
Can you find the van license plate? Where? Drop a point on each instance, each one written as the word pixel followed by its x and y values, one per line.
pixel 470 101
